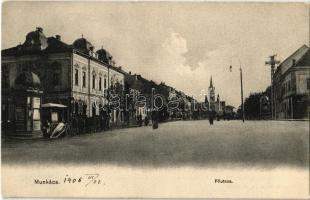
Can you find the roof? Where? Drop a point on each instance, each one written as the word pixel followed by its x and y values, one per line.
pixel 83 45
pixel 305 60
pixel 53 46
pixel 10 51
pixel 133 82
pixel 57 46
pixel 299 56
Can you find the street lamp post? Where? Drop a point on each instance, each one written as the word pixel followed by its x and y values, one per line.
pixel 241 88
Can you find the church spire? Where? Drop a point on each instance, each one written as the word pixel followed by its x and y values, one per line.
pixel 211 85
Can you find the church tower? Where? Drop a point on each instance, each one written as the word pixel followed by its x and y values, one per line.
pixel 211 91
pixel 212 95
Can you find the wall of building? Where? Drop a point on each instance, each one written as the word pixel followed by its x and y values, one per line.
pixel 292 90
pixel 53 71
pixel 301 82
pixel 91 93
pixel 45 67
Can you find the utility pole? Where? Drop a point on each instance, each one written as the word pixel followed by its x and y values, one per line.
pixel 241 85
pixel 272 62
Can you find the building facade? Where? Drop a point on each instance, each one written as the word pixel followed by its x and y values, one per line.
pixel 74 75
pixel 292 86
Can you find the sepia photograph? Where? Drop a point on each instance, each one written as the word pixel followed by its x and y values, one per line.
pixel 189 99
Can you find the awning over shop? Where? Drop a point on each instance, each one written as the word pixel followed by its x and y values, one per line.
pixel 53 105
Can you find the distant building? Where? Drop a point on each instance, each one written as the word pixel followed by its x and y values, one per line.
pixel 292 86
pixel 207 103
pixel 229 112
pixel 222 106
pixel 134 104
pixel 264 107
pixel 215 104
pixel 212 101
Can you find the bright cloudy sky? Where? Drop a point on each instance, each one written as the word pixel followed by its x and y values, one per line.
pixel 181 44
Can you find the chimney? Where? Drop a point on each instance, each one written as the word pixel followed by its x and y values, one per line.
pixel 58 37
pixel 40 29
pixel 130 72
pixel 91 48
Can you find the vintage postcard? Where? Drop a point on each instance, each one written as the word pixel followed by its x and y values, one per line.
pixel 155 99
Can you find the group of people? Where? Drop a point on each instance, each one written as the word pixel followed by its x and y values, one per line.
pixel 79 124
pixel 82 124
pixel 154 118
pixel 212 115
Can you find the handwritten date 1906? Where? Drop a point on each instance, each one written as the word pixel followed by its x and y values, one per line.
pixel 86 179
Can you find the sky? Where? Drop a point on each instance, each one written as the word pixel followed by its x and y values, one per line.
pixel 180 43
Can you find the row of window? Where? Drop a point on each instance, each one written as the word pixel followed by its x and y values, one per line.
pixel 5 76
pixel 286 87
pixel 76 78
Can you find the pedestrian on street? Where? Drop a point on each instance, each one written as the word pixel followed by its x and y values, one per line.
pixel 211 117
pixel 146 120
pixel 155 119
pixel 108 117
pixel 139 119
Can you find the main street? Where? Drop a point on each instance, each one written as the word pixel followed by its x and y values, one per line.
pixel 180 143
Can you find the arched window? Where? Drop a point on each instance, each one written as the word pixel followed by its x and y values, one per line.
pixel 100 84
pixel 94 81
pixel 105 82
pixel 94 109
pixel 84 79
pixel 76 77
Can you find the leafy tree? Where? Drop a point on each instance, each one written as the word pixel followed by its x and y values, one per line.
pixel 251 106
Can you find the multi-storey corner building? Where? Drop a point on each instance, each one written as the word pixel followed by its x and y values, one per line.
pixel 292 86
pixel 74 74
